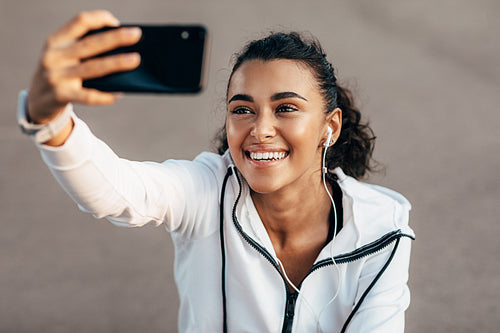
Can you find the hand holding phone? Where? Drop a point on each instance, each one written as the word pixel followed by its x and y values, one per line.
pixel 173 60
pixel 58 78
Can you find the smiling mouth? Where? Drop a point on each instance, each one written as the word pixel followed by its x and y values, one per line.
pixel 266 156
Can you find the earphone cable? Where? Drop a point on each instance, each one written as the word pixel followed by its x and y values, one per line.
pixel 325 170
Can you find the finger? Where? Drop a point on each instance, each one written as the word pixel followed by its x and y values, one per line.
pixel 88 96
pixel 95 97
pixel 80 25
pixel 103 66
pixel 103 42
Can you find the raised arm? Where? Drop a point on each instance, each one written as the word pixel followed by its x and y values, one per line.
pixel 65 63
pixel 127 193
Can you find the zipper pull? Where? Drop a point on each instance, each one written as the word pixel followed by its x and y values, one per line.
pixel 291 299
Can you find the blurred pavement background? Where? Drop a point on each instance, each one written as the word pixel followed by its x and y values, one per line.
pixel 427 74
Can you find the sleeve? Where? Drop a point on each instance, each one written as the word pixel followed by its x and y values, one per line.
pixel 180 194
pixel 383 308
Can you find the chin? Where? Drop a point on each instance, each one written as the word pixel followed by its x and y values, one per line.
pixel 263 187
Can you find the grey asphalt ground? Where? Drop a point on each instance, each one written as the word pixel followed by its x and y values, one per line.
pixel 427 74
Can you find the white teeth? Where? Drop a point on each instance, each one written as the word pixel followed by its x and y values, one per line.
pixel 267 156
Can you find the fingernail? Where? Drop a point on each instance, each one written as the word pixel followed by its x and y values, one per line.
pixel 118 96
pixel 134 31
pixel 112 19
pixel 133 57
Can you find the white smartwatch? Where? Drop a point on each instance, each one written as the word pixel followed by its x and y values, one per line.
pixel 41 133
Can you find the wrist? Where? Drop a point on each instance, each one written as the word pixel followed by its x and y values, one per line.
pixel 62 136
pixel 48 129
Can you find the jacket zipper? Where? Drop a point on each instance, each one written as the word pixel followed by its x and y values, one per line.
pixel 364 251
pixel 291 298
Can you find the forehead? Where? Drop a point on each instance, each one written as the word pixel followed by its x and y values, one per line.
pixel 265 78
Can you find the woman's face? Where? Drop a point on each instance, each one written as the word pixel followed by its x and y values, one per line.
pixel 276 125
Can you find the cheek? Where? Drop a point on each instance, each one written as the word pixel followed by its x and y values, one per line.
pixel 304 138
pixel 235 134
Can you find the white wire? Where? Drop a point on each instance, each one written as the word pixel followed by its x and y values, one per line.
pixel 325 170
pixel 297 290
pixel 317 317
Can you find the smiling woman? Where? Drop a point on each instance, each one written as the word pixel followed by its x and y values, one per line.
pixel 255 227
pixel 282 112
pixel 353 151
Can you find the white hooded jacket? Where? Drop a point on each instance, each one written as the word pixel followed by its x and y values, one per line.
pixel 228 278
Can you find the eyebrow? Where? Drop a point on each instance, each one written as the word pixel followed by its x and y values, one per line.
pixel 275 97
pixel 241 97
pixel 286 94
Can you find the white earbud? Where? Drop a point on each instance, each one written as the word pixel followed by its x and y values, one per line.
pixel 329 140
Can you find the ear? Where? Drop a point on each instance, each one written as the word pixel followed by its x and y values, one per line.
pixel 334 121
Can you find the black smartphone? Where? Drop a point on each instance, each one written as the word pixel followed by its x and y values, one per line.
pixel 173 60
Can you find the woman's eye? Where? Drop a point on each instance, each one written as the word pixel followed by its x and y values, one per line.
pixel 286 108
pixel 241 110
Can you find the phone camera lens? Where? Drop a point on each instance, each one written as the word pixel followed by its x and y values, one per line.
pixel 184 34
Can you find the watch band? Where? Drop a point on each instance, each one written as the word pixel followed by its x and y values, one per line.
pixel 41 133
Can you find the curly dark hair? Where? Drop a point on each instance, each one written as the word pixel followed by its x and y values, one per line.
pixel 354 148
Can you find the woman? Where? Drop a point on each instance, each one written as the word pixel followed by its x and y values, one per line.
pixel 254 228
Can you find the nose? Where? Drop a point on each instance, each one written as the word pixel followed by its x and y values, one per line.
pixel 264 127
